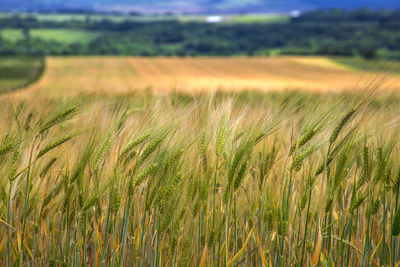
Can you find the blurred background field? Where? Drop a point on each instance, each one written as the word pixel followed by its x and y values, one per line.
pixel 124 75
pixel 57 35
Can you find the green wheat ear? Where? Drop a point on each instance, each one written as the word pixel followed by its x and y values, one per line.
pixel 14 165
pixel 135 142
pixel 203 150
pixel 151 147
pixel 102 152
pixel 53 145
pixel 58 118
pixel 221 137
pixel 240 176
pixel 47 167
pixel 115 199
pixel 342 123
pixel 8 146
pixel 144 174
pixel 299 159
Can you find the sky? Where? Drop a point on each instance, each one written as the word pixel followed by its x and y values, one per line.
pixel 195 6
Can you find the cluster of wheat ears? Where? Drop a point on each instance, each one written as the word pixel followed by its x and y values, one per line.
pixel 208 180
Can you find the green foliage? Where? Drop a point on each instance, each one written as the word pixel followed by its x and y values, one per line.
pixel 17 72
pixel 331 32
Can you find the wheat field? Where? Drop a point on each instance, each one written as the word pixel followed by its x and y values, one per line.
pixel 225 179
pixel 95 172
pixel 125 75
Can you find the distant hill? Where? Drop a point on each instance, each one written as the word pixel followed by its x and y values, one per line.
pixel 193 6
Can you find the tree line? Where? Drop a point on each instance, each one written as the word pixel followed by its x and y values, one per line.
pixel 361 32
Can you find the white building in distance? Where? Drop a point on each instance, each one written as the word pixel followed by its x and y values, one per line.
pixel 214 19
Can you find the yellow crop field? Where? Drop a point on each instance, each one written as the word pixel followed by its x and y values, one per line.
pixel 120 75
